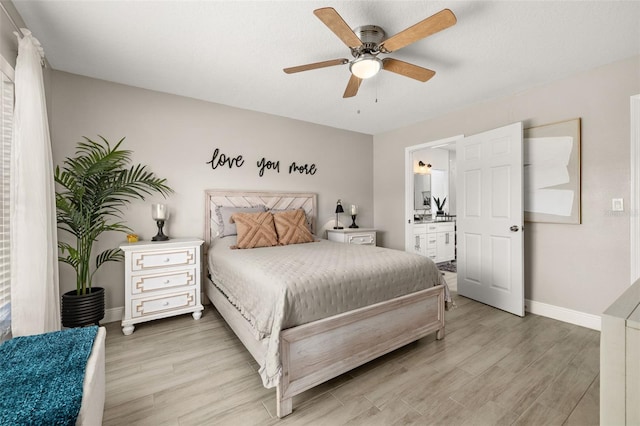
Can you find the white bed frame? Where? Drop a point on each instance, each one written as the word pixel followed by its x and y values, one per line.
pixel 321 350
pixel 93 386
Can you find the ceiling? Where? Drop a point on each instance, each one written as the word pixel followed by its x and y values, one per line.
pixel 233 52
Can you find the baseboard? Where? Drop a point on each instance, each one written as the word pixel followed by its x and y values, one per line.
pixel 113 315
pixel 563 314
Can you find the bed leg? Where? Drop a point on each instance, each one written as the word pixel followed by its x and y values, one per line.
pixel 440 334
pixel 284 406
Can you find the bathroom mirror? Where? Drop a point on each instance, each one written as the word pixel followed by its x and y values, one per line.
pixel 440 187
pixel 422 191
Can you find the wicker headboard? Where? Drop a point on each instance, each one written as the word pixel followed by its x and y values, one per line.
pixel 272 200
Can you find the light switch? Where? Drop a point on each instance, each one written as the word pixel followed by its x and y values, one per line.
pixel 617 205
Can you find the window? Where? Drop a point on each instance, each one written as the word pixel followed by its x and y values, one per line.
pixel 6 126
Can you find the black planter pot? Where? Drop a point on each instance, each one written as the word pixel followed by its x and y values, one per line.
pixel 78 311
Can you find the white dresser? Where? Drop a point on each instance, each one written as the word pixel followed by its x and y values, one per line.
pixel 435 240
pixel 362 236
pixel 162 279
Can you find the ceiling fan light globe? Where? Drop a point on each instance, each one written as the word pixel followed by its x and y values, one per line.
pixel 366 66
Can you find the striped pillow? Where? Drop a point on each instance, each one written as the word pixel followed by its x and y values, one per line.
pixel 292 228
pixel 254 230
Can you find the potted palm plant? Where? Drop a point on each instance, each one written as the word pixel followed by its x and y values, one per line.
pixel 92 189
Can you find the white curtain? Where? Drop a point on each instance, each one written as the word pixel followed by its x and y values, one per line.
pixel 35 298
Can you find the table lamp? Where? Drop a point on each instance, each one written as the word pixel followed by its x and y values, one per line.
pixel 339 210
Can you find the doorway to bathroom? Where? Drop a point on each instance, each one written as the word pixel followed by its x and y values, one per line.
pixel 485 212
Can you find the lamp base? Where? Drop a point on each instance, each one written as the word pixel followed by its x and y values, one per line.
pixel 338 227
pixel 160 235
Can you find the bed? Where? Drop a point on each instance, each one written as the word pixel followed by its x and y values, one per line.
pixel 46 381
pixel 93 386
pixel 303 322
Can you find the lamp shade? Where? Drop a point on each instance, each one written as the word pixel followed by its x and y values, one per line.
pixel 159 212
pixel 365 66
pixel 339 208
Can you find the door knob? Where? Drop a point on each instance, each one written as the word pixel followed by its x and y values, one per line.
pixel 514 228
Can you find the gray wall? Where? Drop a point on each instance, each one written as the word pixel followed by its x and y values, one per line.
pixel 175 136
pixel 579 267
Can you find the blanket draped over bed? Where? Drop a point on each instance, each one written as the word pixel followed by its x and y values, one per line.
pixel 41 378
pixel 302 283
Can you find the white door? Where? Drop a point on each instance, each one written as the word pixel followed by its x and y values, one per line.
pixel 490 218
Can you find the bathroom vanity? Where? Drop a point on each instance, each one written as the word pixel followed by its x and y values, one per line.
pixel 435 240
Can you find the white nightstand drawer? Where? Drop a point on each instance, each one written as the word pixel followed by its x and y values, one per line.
pixel 148 283
pixel 172 302
pixel 357 236
pixel 163 258
pixel 364 239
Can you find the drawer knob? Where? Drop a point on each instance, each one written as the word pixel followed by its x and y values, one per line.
pixel 167 281
pixel 165 304
pixel 167 260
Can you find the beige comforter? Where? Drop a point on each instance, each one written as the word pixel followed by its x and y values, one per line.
pixel 276 288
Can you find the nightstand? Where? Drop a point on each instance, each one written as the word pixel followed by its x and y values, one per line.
pixel 162 279
pixel 362 236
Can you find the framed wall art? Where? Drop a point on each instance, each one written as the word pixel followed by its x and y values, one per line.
pixel 552 173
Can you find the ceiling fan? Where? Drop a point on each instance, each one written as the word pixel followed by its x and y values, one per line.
pixel 368 41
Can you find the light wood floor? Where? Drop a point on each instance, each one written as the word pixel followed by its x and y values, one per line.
pixel 492 368
pixel 452 280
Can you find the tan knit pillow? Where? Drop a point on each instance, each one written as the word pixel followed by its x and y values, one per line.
pixel 292 228
pixel 255 230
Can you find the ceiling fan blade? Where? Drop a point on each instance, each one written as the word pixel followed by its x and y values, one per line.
pixel 334 21
pixel 316 65
pixel 431 25
pixel 406 69
pixel 352 87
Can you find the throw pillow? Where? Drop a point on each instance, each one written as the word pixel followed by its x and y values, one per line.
pixel 224 214
pixel 254 230
pixel 291 227
pixel 308 218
